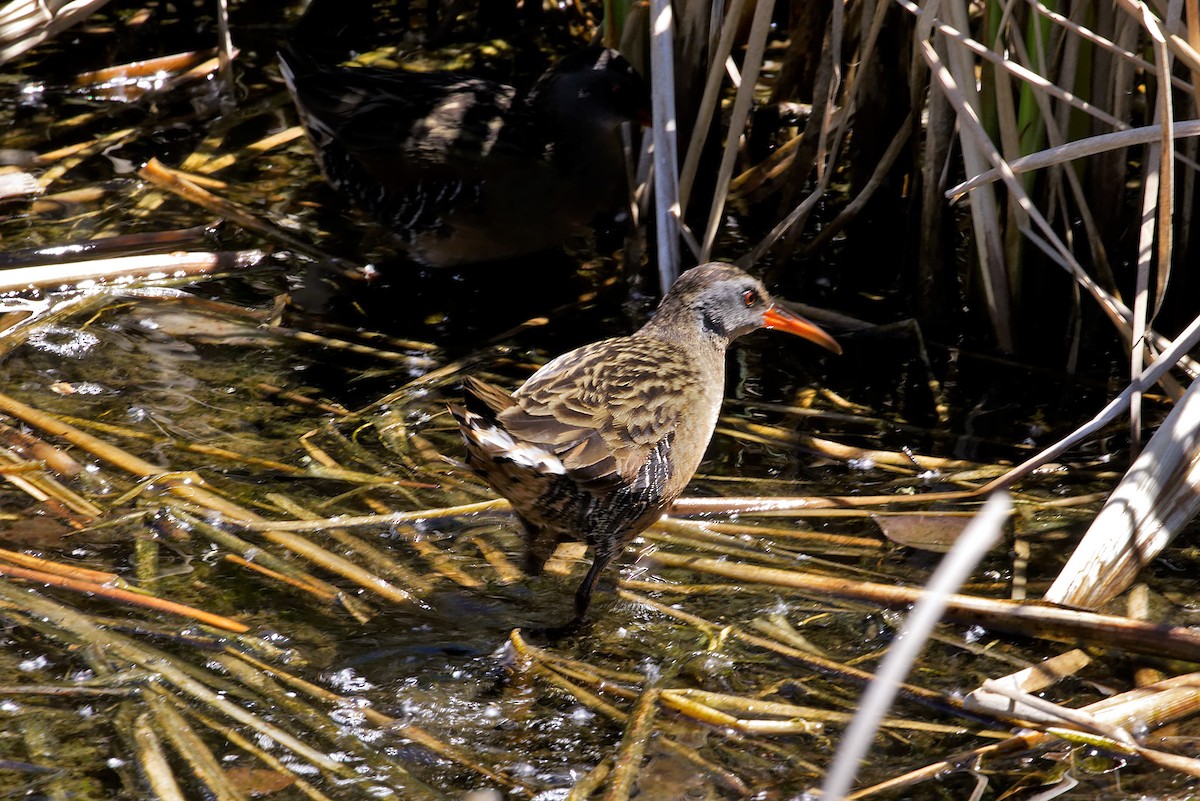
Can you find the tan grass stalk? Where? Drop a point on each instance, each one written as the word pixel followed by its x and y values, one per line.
pixel 628 760
pixel 68 158
pixel 1038 677
pixel 378 559
pixel 1157 212
pixel 1045 237
pixel 376 718
pixel 152 759
pixel 190 487
pixel 1145 707
pixel 595 702
pixel 953 32
pixel 123 596
pixel 28 23
pixel 983 531
pixel 235 738
pixel 82 274
pixel 419 516
pixel 281 577
pixel 1107 44
pixel 1159 495
pixel 590 783
pixel 1027 619
pixel 977 152
pixel 506 571
pixel 188 745
pixel 751 65
pixel 806 658
pixel 664 131
pixel 67 571
pixel 75 509
pixel 173 181
pixel 1055 128
pixel 708 102
pixel 715 708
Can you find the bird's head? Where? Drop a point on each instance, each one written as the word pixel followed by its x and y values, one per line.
pixel 596 85
pixel 727 303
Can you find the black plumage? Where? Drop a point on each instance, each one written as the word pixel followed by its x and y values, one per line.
pixel 464 169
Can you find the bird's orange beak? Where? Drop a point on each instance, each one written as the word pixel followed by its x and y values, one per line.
pixel 781 319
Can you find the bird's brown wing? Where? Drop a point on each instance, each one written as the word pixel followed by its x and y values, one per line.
pixel 484 398
pixel 606 408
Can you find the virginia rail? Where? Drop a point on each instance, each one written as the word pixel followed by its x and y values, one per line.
pixel 467 170
pixel 598 443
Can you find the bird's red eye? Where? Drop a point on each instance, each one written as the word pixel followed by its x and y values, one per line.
pixel 751 298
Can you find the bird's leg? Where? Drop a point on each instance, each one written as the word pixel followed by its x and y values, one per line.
pixel 583 595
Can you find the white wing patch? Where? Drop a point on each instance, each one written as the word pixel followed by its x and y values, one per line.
pixel 499 444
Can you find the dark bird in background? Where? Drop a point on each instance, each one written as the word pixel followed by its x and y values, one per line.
pixel 467 170
pixel 598 444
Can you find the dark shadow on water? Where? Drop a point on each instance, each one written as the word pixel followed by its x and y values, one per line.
pixel 449 307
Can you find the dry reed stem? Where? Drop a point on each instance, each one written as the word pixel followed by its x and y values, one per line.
pixel 124 596
pixel 191 749
pixel 407 359
pixel 590 783
pixel 30 447
pixel 714 708
pixel 337 733
pixel 146 68
pixel 1044 238
pixel 1144 707
pixel 1026 619
pixel 27 24
pixel 302 400
pixel 708 103
pixel 588 677
pixel 339 565
pixel 628 760
pixel 599 676
pixel 829 666
pixel 235 738
pixel 598 704
pixel 709 544
pixel 160 175
pixel 67 158
pixel 190 487
pixel 420 516
pixel 58 569
pixel 281 577
pixel 377 558
pixel 756 44
pixel 254 553
pixel 663 135
pixel 46 489
pixel 506 571
pixel 70 691
pixel 410 731
pixel 1107 44
pixel 152 759
pixel 805 539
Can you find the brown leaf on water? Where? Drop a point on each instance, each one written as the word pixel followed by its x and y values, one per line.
pixel 927 531
pixel 40 532
pixel 259 781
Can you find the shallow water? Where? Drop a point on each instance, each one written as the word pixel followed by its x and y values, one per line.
pixel 201 391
